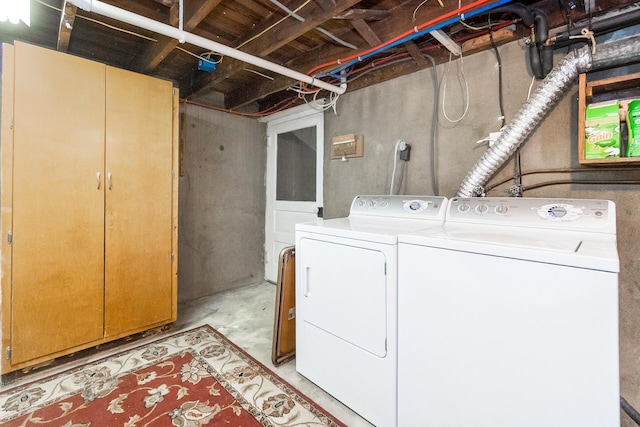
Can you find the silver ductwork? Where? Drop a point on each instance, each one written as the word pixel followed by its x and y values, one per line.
pixel 541 102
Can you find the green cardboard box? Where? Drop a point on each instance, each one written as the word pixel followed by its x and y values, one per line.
pixel 602 130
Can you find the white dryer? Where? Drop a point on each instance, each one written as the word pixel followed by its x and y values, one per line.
pixel 518 324
pixel 346 300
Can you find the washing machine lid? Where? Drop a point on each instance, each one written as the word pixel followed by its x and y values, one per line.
pixel 594 251
pixel 370 229
pixel 381 218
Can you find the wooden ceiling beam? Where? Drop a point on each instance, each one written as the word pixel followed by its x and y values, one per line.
pixel 326 4
pixel 415 53
pixel 167 3
pixel 366 14
pixel 195 11
pixel 267 42
pixel 366 32
pixel 399 20
pixel 67 18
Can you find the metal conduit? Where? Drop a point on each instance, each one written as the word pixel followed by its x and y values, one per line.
pixel 542 101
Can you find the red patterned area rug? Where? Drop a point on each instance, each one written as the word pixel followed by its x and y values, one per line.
pixel 190 379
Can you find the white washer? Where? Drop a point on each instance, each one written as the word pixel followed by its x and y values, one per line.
pixel 346 300
pixel 518 325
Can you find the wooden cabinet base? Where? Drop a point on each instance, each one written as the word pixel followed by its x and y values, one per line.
pixel 14 372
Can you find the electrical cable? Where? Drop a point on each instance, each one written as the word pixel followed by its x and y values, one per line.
pixel 258 73
pixel 280 106
pixel 500 95
pixel 417 31
pixel 413 16
pixel 95 21
pixel 630 410
pixel 434 125
pixel 533 79
pixel 202 57
pixel 377 64
pixel 444 91
pixel 322 30
pixel 395 162
pixel 261 33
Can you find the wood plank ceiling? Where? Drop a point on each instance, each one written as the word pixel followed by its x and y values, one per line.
pixel 299 34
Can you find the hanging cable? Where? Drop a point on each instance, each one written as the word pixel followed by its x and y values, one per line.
pixel 399 144
pixel 500 95
pixel 434 125
pixel 444 90
pixel 417 31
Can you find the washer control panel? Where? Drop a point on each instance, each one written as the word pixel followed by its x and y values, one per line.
pixel 415 207
pixel 547 213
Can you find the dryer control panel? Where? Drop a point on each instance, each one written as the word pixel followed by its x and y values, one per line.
pixel 398 206
pixel 566 214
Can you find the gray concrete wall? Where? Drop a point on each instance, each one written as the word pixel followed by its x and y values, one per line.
pixel 402 108
pixel 222 202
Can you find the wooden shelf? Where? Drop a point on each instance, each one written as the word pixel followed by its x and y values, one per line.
pixel 623 88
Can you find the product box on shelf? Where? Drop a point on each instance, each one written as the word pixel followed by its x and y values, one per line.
pixel 602 130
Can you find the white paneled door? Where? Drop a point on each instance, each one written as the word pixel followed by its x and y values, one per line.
pixel 295 142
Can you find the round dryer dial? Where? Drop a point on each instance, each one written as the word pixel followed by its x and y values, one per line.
pixel 560 212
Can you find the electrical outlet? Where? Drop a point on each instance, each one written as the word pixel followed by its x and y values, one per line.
pixel 406 153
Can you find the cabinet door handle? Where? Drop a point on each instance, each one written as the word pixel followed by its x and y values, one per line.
pixel 98 178
pixel 109 179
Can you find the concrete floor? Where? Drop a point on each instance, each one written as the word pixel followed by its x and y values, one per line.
pixel 246 317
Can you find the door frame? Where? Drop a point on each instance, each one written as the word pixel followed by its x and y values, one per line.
pixel 299 117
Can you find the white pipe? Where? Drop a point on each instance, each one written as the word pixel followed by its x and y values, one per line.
pixel 104 9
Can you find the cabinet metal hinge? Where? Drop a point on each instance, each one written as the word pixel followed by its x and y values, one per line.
pixel 172 257
pixel 173 174
pixel 11 123
pixel 7 353
pixel 10 237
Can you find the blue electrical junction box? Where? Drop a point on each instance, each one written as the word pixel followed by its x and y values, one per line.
pixel 206 65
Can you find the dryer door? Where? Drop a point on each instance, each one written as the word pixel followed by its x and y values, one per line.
pixel 343 291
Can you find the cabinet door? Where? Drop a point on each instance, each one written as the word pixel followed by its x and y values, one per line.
pixel 58 204
pixel 139 148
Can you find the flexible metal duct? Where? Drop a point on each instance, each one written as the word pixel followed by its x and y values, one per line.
pixel 553 88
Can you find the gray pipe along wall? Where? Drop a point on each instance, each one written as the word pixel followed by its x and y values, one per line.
pixel 542 101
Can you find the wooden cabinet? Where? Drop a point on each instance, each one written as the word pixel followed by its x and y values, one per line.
pixel 623 88
pixel 89 204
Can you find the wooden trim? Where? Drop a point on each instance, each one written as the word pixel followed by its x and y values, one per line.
pixel 174 213
pixel 6 195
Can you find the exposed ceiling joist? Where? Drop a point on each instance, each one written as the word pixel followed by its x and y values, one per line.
pixel 67 18
pixel 195 11
pixel 398 20
pixel 366 14
pixel 264 42
pixel 366 32
pixel 415 53
pixel 263 29
pixel 326 4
